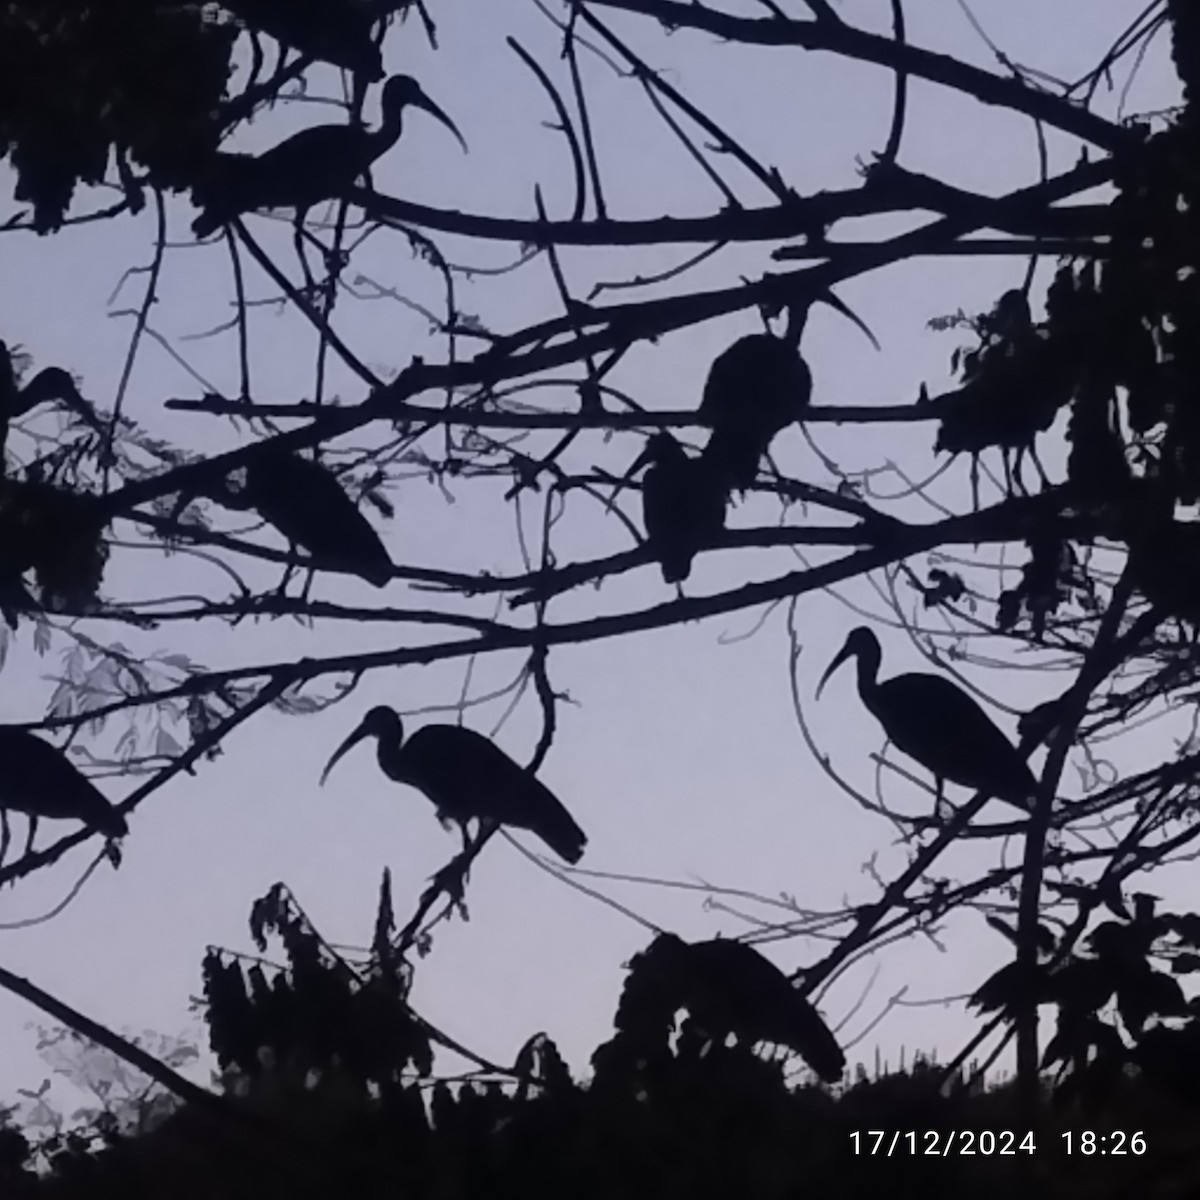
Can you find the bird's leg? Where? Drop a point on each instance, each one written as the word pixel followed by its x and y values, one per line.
pixel 33 824
pixel 309 576
pixel 298 235
pixel 1018 471
pixel 1037 462
pixel 288 570
pixel 939 798
pixel 5 835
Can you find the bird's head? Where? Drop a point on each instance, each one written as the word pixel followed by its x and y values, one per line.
pixel 659 448
pixel 862 644
pixel 380 722
pixel 797 315
pixel 402 90
pixel 56 384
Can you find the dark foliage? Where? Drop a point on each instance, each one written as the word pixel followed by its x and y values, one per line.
pixel 315 1014
pixel 82 84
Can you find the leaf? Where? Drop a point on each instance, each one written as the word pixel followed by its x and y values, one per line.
pixel 41 636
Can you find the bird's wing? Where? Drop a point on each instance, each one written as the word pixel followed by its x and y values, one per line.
pixel 307 504
pixel 760 1004
pixel 934 721
pixel 468 775
pixel 38 779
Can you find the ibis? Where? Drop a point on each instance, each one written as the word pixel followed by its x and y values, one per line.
pixel 51 385
pixel 305 502
pixel 334 31
pixel 319 163
pixel 683 504
pixel 729 987
pixel 756 388
pixel 467 777
pixel 935 722
pixel 39 780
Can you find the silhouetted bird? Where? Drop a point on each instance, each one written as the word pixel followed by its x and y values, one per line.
pixel 321 163
pixel 1164 564
pixel 468 777
pixel 334 31
pixel 934 721
pixel 683 504
pixel 728 987
pixel 39 780
pixel 305 502
pixel 756 388
pixel 52 384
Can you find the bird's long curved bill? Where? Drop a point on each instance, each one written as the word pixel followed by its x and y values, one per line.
pixel 352 741
pixel 434 110
pixel 838 303
pixel 85 411
pixel 842 655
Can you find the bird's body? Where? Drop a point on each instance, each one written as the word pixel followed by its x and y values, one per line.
pixel 306 503
pixel 38 779
pixel 334 31
pixel 683 505
pixel 935 722
pixel 467 777
pixel 319 163
pixel 1164 563
pixel 729 987
pixel 755 388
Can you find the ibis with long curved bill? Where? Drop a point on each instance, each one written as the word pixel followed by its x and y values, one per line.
pixel 316 164
pixel 39 780
pixel 935 722
pixel 467 777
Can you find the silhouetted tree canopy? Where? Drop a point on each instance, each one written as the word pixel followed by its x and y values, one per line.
pixel 1072 430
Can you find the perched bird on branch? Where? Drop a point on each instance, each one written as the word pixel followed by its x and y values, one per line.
pixel 334 31
pixel 468 777
pixel 320 163
pixel 39 780
pixel 756 388
pixel 306 503
pixel 683 504
pixel 51 385
pixel 934 721
pixel 728 988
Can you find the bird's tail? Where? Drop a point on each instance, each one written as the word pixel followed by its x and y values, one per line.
pixel 813 1040
pixel 676 563
pixel 110 823
pixel 208 222
pixel 558 830
pixel 733 458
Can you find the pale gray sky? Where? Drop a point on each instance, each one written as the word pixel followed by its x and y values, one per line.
pixel 681 757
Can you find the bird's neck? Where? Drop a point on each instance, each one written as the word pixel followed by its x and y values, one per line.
pixel 867 667
pixel 386 136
